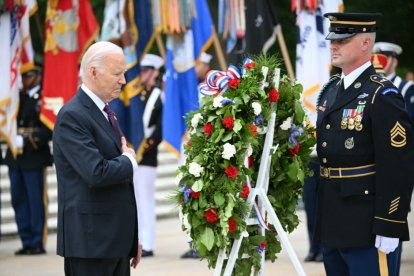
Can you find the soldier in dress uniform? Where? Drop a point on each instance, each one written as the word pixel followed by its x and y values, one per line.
pixel 144 179
pixel 406 88
pixel 365 144
pixel 27 171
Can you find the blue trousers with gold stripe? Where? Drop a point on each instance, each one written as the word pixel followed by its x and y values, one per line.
pixel 29 203
pixel 360 262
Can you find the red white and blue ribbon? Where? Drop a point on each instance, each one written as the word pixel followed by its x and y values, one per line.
pixel 245 62
pixel 259 215
pixel 217 81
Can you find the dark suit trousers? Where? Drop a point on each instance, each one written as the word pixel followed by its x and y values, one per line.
pixel 97 267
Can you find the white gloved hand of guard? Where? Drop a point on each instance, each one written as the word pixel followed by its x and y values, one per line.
pixel 385 244
pixel 19 141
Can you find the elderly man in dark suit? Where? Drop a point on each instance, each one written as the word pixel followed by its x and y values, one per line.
pixel 97 219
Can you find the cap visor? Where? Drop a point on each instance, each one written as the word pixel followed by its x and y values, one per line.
pixel 334 36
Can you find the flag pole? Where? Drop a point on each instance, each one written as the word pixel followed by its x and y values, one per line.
pixel 160 46
pixel 219 50
pixel 283 48
pixel 40 29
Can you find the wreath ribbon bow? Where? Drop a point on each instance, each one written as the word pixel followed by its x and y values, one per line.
pixel 217 82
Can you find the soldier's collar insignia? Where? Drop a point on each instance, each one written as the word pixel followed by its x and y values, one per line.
pixel 349 143
pixel 357 85
pixel 398 136
pixel 363 95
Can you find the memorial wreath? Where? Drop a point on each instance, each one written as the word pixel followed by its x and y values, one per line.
pixel 223 151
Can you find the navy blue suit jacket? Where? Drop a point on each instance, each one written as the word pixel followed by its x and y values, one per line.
pixel 96 204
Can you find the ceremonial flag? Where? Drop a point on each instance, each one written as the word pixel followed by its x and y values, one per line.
pixel 27 50
pixel 181 93
pixel 129 24
pixel 312 53
pixel 10 63
pixel 70 28
pixel 257 34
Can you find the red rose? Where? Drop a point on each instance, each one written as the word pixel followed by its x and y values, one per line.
pixel 273 95
pixel 189 143
pixel 232 225
pixel 295 150
pixel 245 192
pixel 228 122
pixel 231 171
pixel 208 129
pixel 211 215
pixel 234 83
pixel 249 65
pixel 263 244
pixel 250 161
pixel 253 129
pixel 195 194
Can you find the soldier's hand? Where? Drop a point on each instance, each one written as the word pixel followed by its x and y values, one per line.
pixel 386 244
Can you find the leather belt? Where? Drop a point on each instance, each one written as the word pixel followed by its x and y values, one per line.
pixel 348 172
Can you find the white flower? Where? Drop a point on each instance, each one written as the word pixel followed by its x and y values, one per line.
pixel 229 151
pixel 286 124
pixel 249 150
pixel 217 101
pixel 245 234
pixel 178 178
pixel 195 169
pixel 196 118
pixel 257 108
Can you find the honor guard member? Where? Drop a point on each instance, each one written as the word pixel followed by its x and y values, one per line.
pixel 365 145
pixel 144 181
pixel 27 170
pixel 406 88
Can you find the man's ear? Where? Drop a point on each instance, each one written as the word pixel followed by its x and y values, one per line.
pixel 92 72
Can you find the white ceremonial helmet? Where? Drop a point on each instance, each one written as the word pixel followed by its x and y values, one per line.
pixel 387 48
pixel 151 60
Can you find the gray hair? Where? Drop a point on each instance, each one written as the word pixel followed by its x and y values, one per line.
pixel 95 55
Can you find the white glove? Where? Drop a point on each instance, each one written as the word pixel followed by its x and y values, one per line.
pixel 19 141
pixel 385 244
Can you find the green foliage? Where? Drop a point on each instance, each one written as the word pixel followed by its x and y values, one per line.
pixel 217 211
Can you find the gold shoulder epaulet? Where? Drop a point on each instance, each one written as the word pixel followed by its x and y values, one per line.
pixel 379 79
pixel 383 82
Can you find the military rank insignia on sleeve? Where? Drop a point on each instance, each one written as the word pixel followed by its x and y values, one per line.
pixel 398 136
pixel 394 205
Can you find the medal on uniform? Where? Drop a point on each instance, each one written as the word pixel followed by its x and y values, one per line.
pixel 349 143
pixel 344 121
pixel 358 117
pixel 351 124
pixel 351 120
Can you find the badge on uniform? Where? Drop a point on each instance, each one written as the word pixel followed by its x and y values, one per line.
pixel 363 95
pixel 398 136
pixel 349 143
pixel 352 118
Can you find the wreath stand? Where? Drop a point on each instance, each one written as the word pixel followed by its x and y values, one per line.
pixel 260 191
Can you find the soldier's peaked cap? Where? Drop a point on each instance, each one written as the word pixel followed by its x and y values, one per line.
pixel 344 25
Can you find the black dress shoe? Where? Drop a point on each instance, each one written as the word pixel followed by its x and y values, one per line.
pixel 190 254
pixel 310 258
pixel 30 251
pixel 319 257
pixel 36 251
pixel 22 251
pixel 147 253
